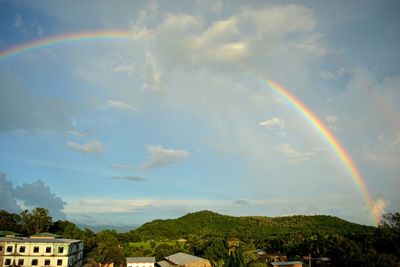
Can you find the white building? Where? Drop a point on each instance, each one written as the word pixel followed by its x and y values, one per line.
pixel 140 261
pixel 40 251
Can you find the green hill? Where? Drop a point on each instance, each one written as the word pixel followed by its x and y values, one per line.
pixel 207 223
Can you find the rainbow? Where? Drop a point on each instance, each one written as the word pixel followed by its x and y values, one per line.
pixel 341 153
pixel 66 38
pixel 330 138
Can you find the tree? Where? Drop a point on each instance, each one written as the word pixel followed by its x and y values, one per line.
pixel 345 253
pixel 66 229
pixel 41 220
pixel 235 259
pixel 108 249
pixel 9 221
pixel 164 250
pixel 387 236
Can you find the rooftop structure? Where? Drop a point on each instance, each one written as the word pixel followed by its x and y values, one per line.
pixel 186 260
pixel 40 250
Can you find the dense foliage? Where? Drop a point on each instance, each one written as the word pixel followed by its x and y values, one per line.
pixel 206 234
pixel 207 223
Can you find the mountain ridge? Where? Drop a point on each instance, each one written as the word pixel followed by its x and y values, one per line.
pixel 208 223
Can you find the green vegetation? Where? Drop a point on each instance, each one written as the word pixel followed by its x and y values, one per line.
pixel 206 234
pixel 207 223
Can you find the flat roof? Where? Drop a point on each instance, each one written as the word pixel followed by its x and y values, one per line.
pixel 183 258
pixel 38 240
pixel 140 259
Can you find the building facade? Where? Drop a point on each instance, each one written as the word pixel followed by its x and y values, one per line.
pixel 40 251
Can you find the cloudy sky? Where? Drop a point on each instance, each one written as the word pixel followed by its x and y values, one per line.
pixel 174 119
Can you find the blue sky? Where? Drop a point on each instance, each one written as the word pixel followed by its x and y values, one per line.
pixel 173 120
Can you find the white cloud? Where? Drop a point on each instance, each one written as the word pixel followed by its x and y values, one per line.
pixel 119 105
pixel 313 43
pixel 105 205
pixel 275 121
pixel 293 154
pixel 379 208
pixel 94 147
pixel 331 119
pixel 381 137
pixel 129 178
pixel 160 156
pixel 122 166
pixel 153 76
pixel 124 69
pixel 18 23
pixel 245 34
pixel 76 134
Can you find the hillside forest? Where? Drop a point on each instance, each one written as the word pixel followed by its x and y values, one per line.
pixel 210 235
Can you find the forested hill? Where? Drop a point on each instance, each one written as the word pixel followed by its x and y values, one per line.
pixel 207 223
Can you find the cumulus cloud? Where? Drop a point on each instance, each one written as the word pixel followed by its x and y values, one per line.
pixel 274 122
pixel 245 34
pixel 160 156
pixel 7 198
pixel 129 178
pixel 119 105
pixel 94 147
pixel 293 154
pixel 35 194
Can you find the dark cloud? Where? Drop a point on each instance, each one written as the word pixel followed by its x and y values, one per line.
pixel 7 199
pixel 21 110
pixel 241 202
pixel 129 178
pixel 36 194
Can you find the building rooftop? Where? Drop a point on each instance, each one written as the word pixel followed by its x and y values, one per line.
pixel 9 233
pixel 140 259
pixel 38 240
pixel 45 235
pixel 183 258
pixel 163 264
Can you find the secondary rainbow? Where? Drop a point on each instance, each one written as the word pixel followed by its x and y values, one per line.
pixel 296 103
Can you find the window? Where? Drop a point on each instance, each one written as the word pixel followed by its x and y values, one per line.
pixel 20 262
pixel 48 249
pixel 34 262
pixel 35 249
pixel 59 262
pixel 22 249
pixel 46 262
pixel 60 249
pixel 1 248
pixel 7 262
pixel 9 249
